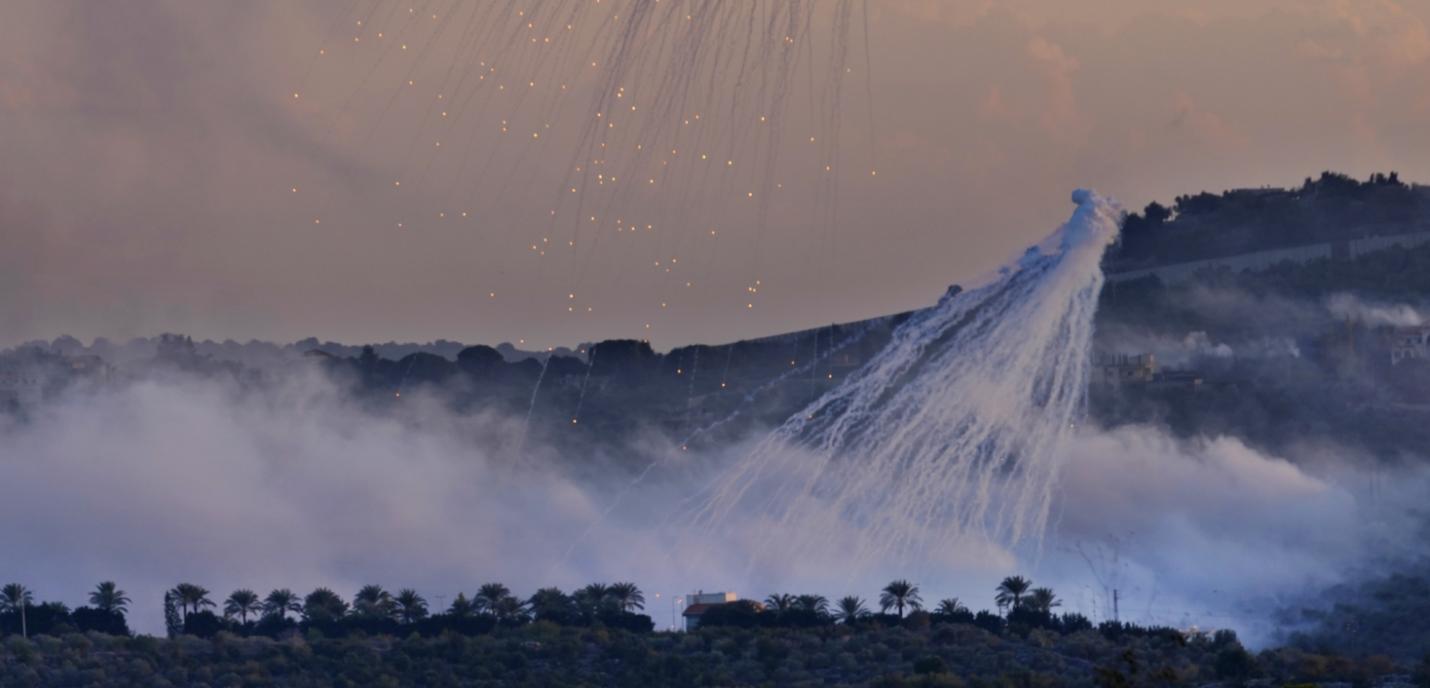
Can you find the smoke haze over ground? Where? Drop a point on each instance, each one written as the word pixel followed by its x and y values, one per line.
pixel 180 479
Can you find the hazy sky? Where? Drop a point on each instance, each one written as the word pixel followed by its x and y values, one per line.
pixel 150 151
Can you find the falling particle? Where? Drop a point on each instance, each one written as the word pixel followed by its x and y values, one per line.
pixel 295 95
pixel 295 189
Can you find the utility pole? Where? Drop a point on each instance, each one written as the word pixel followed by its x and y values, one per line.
pixel 24 625
pixel 1115 615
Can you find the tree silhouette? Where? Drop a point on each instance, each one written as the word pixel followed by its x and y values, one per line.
pixel 900 594
pixel 1011 592
pixel 851 609
pixel 373 602
pixel 550 604
pixel 409 606
pixel 191 598
pixel 17 598
pixel 592 599
pixel 108 597
pixel 780 602
pixel 462 607
pixel 280 602
pixel 814 604
pixel 324 605
pixel 510 610
pixel 627 596
pixel 951 606
pixel 241 603
pixel 489 595
pixel 1042 600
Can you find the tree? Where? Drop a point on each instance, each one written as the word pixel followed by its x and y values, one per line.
pixel 241 603
pixel 780 602
pixel 814 604
pixel 1011 592
pixel 324 605
pixel 510 610
pixel 17 598
pixel 173 624
pixel 462 607
pixel 489 595
pixel 1042 600
pixel 627 596
pixel 900 594
pixel 951 607
pixel 108 597
pixel 373 602
pixel 280 602
pixel 550 604
pixel 592 599
pixel 409 606
pixel 851 609
pixel 191 598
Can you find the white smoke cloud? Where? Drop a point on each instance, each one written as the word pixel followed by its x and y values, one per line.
pixel 1212 532
pixel 1350 307
pixel 176 479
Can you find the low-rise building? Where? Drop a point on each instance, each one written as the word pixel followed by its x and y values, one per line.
pixel 700 602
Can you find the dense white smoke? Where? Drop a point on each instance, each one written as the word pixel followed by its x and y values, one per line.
pixel 1349 307
pixel 954 431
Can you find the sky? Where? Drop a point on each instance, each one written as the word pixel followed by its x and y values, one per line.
pixel 152 150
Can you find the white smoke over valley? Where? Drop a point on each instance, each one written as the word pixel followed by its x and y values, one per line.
pixel 173 477
pixel 1349 307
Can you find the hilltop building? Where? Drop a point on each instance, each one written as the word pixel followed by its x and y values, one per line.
pixel 1407 343
pixel 701 602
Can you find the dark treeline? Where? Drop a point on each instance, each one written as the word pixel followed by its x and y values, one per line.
pixel 1332 207
pixel 595 636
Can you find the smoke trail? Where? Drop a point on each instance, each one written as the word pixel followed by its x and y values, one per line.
pixel 953 431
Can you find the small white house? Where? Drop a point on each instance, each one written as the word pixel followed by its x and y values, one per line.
pixel 697 603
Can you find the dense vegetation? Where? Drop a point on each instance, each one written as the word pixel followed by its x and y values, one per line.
pixel 592 637
pixel 1333 207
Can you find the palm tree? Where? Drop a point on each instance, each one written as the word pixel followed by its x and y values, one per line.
pixel 1011 592
pixel 373 602
pixel 900 594
pixel 814 604
pixel 191 598
pixel 409 606
pixel 509 609
pixel 549 603
pixel 592 599
pixel 627 596
pixel 109 598
pixel 1043 600
pixel 851 609
pixel 324 605
pixel 462 607
pixel 780 602
pixel 241 603
pixel 17 598
pixel 280 602
pixel 489 595
pixel 951 606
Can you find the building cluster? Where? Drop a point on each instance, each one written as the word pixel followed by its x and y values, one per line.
pixel 1141 369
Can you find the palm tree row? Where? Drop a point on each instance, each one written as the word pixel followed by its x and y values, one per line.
pixel 406 606
pixel 1013 594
